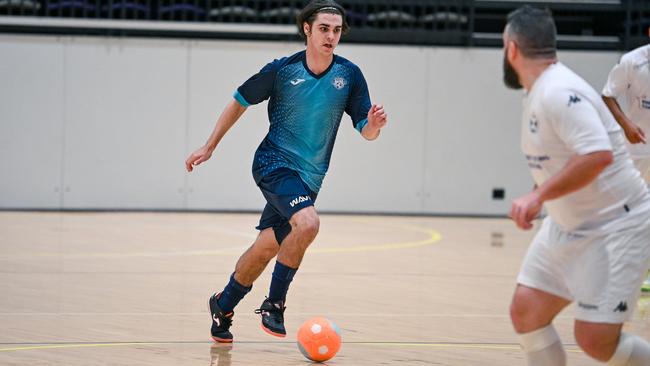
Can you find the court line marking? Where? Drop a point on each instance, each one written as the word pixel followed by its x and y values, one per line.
pixel 449 345
pixel 251 315
pixel 481 346
pixel 433 236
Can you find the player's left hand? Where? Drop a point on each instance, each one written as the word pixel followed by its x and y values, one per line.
pixel 525 209
pixel 377 117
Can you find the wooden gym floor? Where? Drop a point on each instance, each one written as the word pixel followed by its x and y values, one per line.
pixel 131 289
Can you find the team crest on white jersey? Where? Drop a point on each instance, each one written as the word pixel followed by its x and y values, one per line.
pixel 533 124
pixel 339 83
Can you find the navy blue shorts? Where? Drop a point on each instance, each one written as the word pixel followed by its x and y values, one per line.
pixel 285 194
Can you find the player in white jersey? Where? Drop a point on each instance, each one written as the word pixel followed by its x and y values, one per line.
pixel 630 79
pixel 592 247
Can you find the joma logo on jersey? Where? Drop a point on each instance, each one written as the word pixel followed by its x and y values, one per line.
pixel 299 199
pixel 339 83
pixel 296 81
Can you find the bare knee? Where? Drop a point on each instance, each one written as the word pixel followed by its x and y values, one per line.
pixel 306 224
pixel 598 340
pixel 533 309
pixel 521 316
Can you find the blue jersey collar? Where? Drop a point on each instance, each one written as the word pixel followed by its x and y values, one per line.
pixel 316 76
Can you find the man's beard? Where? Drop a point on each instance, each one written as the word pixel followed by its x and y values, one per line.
pixel 510 77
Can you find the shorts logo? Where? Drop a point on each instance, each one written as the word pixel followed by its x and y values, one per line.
pixel 587 306
pixel 299 199
pixel 339 83
pixel 622 307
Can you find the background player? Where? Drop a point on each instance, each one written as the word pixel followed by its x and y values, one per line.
pixel 630 78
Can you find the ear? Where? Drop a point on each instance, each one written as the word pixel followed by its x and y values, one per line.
pixel 306 29
pixel 513 51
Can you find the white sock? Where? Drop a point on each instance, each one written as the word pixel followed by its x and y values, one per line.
pixel 631 351
pixel 543 347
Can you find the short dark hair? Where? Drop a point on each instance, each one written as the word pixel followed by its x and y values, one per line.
pixel 309 13
pixel 533 29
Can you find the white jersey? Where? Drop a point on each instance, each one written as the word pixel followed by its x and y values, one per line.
pixel 630 78
pixel 562 117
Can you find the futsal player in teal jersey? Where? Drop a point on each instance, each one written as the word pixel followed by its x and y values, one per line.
pixel 308 93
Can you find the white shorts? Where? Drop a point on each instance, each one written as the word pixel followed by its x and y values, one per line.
pixel 601 273
pixel 643 165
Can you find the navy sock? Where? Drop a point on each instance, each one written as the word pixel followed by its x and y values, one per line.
pixel 282 277
pixel 232 294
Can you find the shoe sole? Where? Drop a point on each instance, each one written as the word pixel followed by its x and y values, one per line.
pixel 221 340
pixel 269 331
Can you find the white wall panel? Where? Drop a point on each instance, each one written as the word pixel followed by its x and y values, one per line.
pixel 225 182
pixel 385 175
pixel 114 120
pixel 594 67
pixel 126 127
pixel 473 134
pixel 31 121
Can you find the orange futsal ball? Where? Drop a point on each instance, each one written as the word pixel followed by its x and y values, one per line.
pixel 319 339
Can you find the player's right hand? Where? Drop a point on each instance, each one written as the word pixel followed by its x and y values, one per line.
pixel 197 157
pixel 634 134
pixel 525 209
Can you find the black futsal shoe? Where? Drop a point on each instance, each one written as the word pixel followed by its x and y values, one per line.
pixel 221 321
pixel 273 317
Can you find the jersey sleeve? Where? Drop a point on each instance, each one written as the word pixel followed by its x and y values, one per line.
pixel 258 87
pixel 617 81
pixel 359 101
pixel 577 122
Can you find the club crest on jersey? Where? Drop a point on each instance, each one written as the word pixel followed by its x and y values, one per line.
pixel 339 83
pixel 533 125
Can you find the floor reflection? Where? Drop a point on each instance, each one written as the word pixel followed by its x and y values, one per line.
pixel 220 354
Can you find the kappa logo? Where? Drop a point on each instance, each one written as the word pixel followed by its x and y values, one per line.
pixel 297 81
pixel 339 83
pixel 622 307
pixel 574 99
pixel 299 199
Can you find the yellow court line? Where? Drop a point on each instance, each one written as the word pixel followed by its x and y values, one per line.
pixel 479 346
pixel 432 237
pixel 79 345
pixel 459 346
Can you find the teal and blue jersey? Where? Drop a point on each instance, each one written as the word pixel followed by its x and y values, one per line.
pixel 305 111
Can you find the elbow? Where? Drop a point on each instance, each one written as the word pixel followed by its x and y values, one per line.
pixel 605 159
